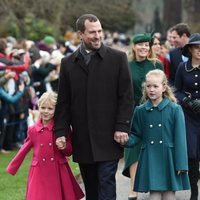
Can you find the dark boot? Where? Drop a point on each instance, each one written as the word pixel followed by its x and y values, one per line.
pixel 193 176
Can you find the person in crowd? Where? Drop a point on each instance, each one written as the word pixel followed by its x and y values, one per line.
pixel 158 53
pixel 16 60
pixel 48 44
pixel 5 100
pixel 180 34
pixel 95 97
pixel 170 39
pixel 159 123
pixel 140 64
pixel 52 78
pixel 41 68
pixel 50 176
pixel 187 83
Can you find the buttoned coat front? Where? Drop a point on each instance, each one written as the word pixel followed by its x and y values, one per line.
pixel 163 151
pixel 97 100
pixel 50 177
pixel 187 83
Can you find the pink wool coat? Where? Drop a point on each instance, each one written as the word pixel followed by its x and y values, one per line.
pixel 50 177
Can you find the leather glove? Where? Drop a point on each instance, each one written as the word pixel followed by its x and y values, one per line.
pixel 186 101
pixel 195 105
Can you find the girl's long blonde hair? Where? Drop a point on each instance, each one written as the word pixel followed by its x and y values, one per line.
pixel 167 93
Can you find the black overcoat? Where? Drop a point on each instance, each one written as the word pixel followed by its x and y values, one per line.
pixel 96 100
pixel 188 82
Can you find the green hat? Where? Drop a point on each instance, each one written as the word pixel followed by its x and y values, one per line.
pixel 142 37
pixel 49 40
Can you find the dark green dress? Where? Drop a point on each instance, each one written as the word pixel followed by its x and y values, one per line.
pixel 138 72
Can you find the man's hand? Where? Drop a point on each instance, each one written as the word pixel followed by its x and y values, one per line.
pixel 121 137
pixel 61 142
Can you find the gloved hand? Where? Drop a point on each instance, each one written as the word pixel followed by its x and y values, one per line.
pixel 194 105
pixel 186 101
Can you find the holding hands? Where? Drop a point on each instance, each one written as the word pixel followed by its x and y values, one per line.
pixel 121 137
pixel 61 142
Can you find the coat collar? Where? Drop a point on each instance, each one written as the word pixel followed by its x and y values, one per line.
pixel 148 105
pixel 101 52
pixel 40 126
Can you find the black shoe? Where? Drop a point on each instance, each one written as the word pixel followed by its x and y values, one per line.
pixel 132 198
pixel 194 197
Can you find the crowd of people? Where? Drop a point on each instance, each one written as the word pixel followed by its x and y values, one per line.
pixel 115 92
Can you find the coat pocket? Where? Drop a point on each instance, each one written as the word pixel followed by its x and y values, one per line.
pixel 143 146
pixel 34 163
pixel 171 145
pixel 63 161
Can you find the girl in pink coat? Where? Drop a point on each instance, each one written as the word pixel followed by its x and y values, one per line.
pixel 50 177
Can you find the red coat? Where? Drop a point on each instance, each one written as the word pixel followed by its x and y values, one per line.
pixel 50 177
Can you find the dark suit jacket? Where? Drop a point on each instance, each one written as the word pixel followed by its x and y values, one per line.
pixel 96 100
pixel 175 60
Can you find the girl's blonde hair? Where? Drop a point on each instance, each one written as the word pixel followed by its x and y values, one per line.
pixel 167 93
pixel 48 96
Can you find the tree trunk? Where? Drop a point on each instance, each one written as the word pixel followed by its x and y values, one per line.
pixel 172 13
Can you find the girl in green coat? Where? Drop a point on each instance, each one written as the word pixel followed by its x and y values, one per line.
pixel 141 63
pixel 159 124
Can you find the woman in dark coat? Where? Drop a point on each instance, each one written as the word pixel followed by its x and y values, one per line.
pixel 187 83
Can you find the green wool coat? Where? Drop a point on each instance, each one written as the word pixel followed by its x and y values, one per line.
pixel 163 152
pixel 138 73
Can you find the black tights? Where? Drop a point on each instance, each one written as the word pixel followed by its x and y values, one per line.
pixel 193 176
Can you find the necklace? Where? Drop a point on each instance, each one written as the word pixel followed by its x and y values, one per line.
pixel 193 68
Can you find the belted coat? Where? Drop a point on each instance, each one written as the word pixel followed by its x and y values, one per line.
pixel 164 152
pixel 96 100
pixel 50 176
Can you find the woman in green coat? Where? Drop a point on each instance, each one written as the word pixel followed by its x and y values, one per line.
pixel 141 63
pixel 160 125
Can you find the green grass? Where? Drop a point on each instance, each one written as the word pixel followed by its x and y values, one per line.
pixel 14 187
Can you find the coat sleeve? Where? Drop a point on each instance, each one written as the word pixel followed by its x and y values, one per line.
pixel 136 134
pixel 8 98
pixel 68 150
pixel 16 162
pixel 62 113
pixel 179 83
pixel 181 159
pixel 125 97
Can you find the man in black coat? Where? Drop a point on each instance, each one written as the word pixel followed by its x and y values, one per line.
pixel 180 34
pixel 95 98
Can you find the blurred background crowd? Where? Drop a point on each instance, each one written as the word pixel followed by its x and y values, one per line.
pixel 29 68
